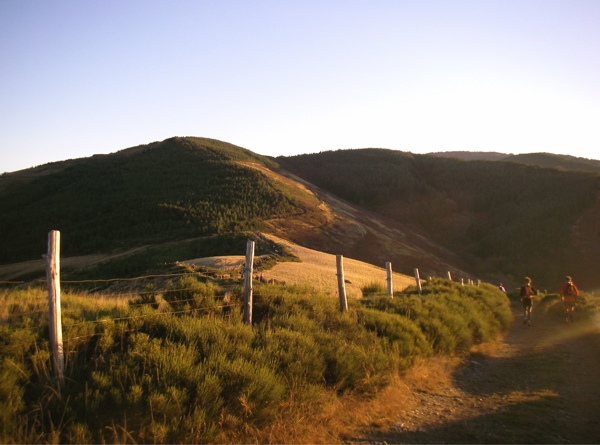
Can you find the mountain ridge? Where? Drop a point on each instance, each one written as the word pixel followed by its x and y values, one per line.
pixel 412 210
pixel 548 160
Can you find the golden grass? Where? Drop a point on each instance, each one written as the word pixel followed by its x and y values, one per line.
pixel 316 269
pixel 341 418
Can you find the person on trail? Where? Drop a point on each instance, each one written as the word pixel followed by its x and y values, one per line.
pixel 527 294
pixel 568 294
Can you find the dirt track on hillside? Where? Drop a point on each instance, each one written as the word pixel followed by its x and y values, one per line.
pixel 538 385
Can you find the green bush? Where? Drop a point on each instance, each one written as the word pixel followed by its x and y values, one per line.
pixel 374 288
pixel 186 370
pixel 402 334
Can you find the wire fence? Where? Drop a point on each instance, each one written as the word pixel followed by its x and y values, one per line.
pixel 31 313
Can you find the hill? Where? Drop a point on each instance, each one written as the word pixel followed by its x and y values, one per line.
pixel 560 162
pixel 548 160
pixel 503 217
pixel 175 189
pixel 471 155
pixel 186 198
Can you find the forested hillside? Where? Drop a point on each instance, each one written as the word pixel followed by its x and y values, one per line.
pixel 486 219
pixel 178 188
pixel 499 216
pixel 560 162
pixel 548 160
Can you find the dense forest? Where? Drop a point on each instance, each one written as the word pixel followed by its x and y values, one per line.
pixel 547 160
pixel 182 187
pixel 504 216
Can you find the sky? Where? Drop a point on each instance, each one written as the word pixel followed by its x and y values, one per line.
pixel 287 77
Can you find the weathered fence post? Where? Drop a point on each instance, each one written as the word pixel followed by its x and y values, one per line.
pixel 390 284
pixel 418 280
pixel 449 276
pixel 248 270
pixel 54 317
pixel 341 283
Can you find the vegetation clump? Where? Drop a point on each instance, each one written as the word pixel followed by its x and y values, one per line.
pixel 178 364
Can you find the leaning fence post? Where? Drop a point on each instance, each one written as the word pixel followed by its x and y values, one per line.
pixel 248 268
pixel 390 284
pixel 341 283
pixel 54 317
pixel 418 280
pixel 449 276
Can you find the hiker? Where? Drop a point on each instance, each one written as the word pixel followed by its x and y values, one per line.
pixel 502 288
pixel 527 294
pixel 568 295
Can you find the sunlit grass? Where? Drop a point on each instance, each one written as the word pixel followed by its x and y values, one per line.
pixel 178 364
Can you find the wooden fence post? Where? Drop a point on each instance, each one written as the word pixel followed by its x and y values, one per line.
pixel 248 270
pixel 341 283
pixel 418 280
pixel 449 276
pixel 54 317
pixel 390 284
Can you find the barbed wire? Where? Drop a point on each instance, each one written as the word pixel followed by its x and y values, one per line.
pixel 109 280
pixel 68 327
pixel 103 318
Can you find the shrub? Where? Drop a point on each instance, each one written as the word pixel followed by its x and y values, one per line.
pixel 140 372
pixel 374 288
pixel 402 334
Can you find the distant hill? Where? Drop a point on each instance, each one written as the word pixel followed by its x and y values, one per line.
pixel 471 155
pixel 190 197
pixel 560 162
pixel 548 160
pixel 499 216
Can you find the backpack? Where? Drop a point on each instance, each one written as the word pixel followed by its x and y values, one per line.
pixel 569 290
pixel 527 291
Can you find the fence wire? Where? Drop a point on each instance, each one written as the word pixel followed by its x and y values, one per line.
pixel 13 317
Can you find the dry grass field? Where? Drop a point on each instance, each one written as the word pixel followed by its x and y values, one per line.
pixel 316 269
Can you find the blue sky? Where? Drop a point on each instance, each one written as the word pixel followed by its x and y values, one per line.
pixel 286 77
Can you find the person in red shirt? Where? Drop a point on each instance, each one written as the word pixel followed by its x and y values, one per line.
pixel 568 294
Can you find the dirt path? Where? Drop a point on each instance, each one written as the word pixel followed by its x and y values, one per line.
pixel 539 385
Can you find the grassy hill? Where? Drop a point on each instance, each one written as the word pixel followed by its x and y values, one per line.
pixel 498 216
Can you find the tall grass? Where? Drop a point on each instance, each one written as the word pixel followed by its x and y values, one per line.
pixel 180 365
